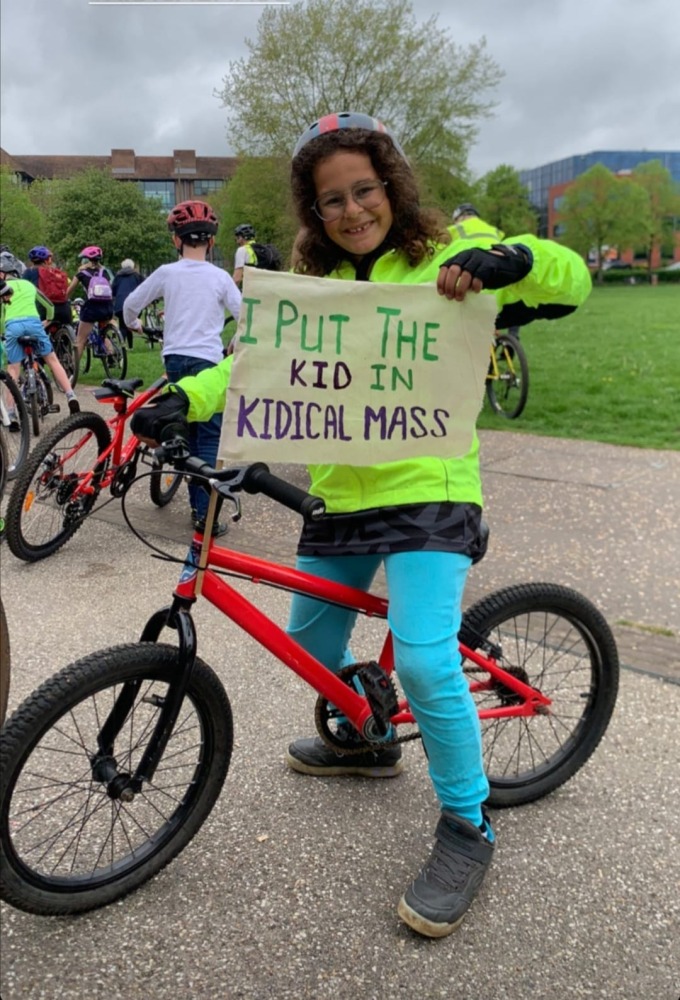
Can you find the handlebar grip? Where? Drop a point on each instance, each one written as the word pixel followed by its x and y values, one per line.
pixel 259 479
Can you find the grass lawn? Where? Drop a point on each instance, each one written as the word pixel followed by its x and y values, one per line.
pixel 609 372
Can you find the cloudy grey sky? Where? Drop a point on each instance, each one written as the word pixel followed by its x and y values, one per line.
pixel 580 75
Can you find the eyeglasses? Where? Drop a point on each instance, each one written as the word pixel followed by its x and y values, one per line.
pixel 368 194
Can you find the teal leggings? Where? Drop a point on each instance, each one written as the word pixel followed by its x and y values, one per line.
pixel 425 595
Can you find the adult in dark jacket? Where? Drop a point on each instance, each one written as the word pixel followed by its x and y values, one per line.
pixel 124 282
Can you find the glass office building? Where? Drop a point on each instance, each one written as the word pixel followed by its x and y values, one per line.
pixel 540 180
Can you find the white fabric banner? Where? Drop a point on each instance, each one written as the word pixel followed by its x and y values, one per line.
pixel 353 373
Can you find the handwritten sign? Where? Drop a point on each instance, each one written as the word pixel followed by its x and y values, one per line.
pixel 353 373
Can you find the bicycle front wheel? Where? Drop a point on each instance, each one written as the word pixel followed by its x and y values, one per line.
pixel 15 422
pixel 4 663
pixel 115 362
pixel 507 381
pixel 45 507
pixel 163 484
pixel 68 840
pixel 555 640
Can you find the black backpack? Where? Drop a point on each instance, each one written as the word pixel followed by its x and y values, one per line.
pixel 268 257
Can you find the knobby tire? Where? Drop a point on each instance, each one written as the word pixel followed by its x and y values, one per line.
pixel 40 516
pixel 556 640
pixel 66 844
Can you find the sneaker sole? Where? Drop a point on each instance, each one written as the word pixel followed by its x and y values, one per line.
pixel 344 769
pixel 420 924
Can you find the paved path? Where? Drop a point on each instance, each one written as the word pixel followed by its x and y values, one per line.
pixel 290 889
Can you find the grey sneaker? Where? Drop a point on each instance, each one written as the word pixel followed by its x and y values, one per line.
pixel 435 904
pixel 313 756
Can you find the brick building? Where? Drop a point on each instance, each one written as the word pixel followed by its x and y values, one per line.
pixel 168 178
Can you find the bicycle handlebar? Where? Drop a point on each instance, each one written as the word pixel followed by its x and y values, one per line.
pixel 254 478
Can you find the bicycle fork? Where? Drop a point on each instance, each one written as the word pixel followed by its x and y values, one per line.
pixel 121 784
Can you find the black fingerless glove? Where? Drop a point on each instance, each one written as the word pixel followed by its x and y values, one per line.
pixel 164 417
pixel 492 270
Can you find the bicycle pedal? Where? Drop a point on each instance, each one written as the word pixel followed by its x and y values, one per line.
pixel 53 408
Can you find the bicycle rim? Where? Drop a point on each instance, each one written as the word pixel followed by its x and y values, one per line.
pixel 44 508
pixel 115 364
pixel 555 640
pixel 507 385
pixel 163 484
pixel 68 842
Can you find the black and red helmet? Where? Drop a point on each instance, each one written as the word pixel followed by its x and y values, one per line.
pixel 192 218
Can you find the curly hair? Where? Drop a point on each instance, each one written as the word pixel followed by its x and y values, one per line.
pixel 414 230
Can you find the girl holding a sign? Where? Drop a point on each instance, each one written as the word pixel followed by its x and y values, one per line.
pixel 360 217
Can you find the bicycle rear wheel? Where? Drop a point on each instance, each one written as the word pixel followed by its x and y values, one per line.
pixel 557 641
pixel 65 350
pixel 44 508
pixel 33 406
pixel 68 841
pixel 507 382
pixel 163 484
pixel 115 362
pixel 15 422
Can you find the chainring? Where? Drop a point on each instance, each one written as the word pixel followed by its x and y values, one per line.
pixel 325 713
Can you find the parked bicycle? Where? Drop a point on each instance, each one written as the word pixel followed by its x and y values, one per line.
pixel 14 424
pixel 106 344
pixel 81 457
pixel 35 384
pixel 507 380
pixel 111 767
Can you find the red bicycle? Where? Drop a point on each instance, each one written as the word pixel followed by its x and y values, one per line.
pixel 111 767
pixel 67 471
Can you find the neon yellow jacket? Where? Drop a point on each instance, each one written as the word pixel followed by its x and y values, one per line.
pixel 558 275
pixel 474 228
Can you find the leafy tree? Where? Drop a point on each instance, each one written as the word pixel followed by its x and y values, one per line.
pixel 92 207
pixel 663 205
pixel 320 56
pixel 441 188
pixel 503 201
pixel 601 210
pixel 22 224
pixel 257 193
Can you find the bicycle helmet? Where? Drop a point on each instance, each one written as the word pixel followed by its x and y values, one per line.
pixel 9 263
pixel 192 218
pixel 343 120
pixel 465 209
pixel 245 230
pixel 91 253
pixel 39 253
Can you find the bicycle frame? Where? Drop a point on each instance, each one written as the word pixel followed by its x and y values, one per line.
pixel 200 577
pixel 118 453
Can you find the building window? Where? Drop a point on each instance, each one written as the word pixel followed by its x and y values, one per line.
pixel 557 203
pixel 164 191
pixel 206 187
